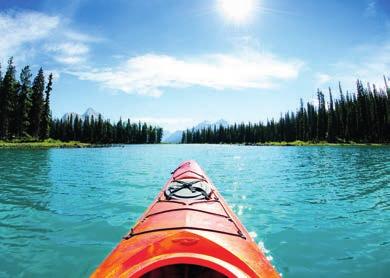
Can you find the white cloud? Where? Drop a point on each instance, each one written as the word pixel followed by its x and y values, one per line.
pixel 20 28
pixel 367 63
pixel 56 74
pixel 27 33
pixel 68 53
pixel 80 37
pixel 149 74
pixel 323 78
pixel 69 48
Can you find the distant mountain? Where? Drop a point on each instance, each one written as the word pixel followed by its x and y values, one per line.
pixel 88 113
pixel 206 124
pixel 175 137
pixel 221 122
pixel 69 115
pixel 166 134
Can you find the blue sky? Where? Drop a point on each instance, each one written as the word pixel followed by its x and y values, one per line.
pixel 176 62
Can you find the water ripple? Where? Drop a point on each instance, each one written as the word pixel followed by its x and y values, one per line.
pixel 321 211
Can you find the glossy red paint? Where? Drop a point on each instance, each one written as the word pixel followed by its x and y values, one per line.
pixel 196 232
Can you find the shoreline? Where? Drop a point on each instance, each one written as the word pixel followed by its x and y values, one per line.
pixel 45 144
pixel 317 144
pixel 51 143
pixel 293 144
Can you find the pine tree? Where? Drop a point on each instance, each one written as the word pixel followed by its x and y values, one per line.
pixel 321 119
pixel 331 134
pixel 37 103
pixel 2 101
pixel 78 128
pixel 144 133
pixel 8 109
pixel 302 122
pixel 159 135
pixel 119 128
pixel 360 117
pixel 24 104
pixel 44 129
pixel 99 129
pixel 86 130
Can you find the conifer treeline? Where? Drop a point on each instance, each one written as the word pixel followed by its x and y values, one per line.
pixel 24 105
pixel 101 131
pixel 360 117
pixel 25 113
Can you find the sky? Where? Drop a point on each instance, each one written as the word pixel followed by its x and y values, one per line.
pixel 175 63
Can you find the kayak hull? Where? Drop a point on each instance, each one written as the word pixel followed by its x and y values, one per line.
pixel 201 232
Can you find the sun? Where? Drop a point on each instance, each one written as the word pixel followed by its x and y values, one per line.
pixel 237 11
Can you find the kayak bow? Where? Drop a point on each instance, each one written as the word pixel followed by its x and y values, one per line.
pixel 188 231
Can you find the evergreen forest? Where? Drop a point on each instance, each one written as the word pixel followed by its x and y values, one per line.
pixel 25 114
pixel 361 117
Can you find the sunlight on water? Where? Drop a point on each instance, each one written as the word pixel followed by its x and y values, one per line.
pixel 314 211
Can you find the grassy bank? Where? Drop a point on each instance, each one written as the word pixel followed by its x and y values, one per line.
pixel 48 143
pixel 313 143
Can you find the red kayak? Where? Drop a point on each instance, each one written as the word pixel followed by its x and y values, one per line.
pixel 188 231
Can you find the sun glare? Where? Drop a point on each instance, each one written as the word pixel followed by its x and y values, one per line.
pixel 237 11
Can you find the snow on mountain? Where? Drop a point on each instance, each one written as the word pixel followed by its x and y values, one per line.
pixel 207 124
pixel 69 115
pixel 175 137
pixel 166 134
pixel 88 113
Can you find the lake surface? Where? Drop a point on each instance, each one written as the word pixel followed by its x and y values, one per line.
pixel 315 211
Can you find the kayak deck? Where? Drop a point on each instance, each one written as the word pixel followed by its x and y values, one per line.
pixel 188 231
pixel 209 215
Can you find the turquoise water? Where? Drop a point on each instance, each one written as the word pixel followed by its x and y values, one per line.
pixel 316 211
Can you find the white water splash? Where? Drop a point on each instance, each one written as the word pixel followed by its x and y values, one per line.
pixel 267 254
pixel 262 247
pixel 253 234
pixel 269 258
